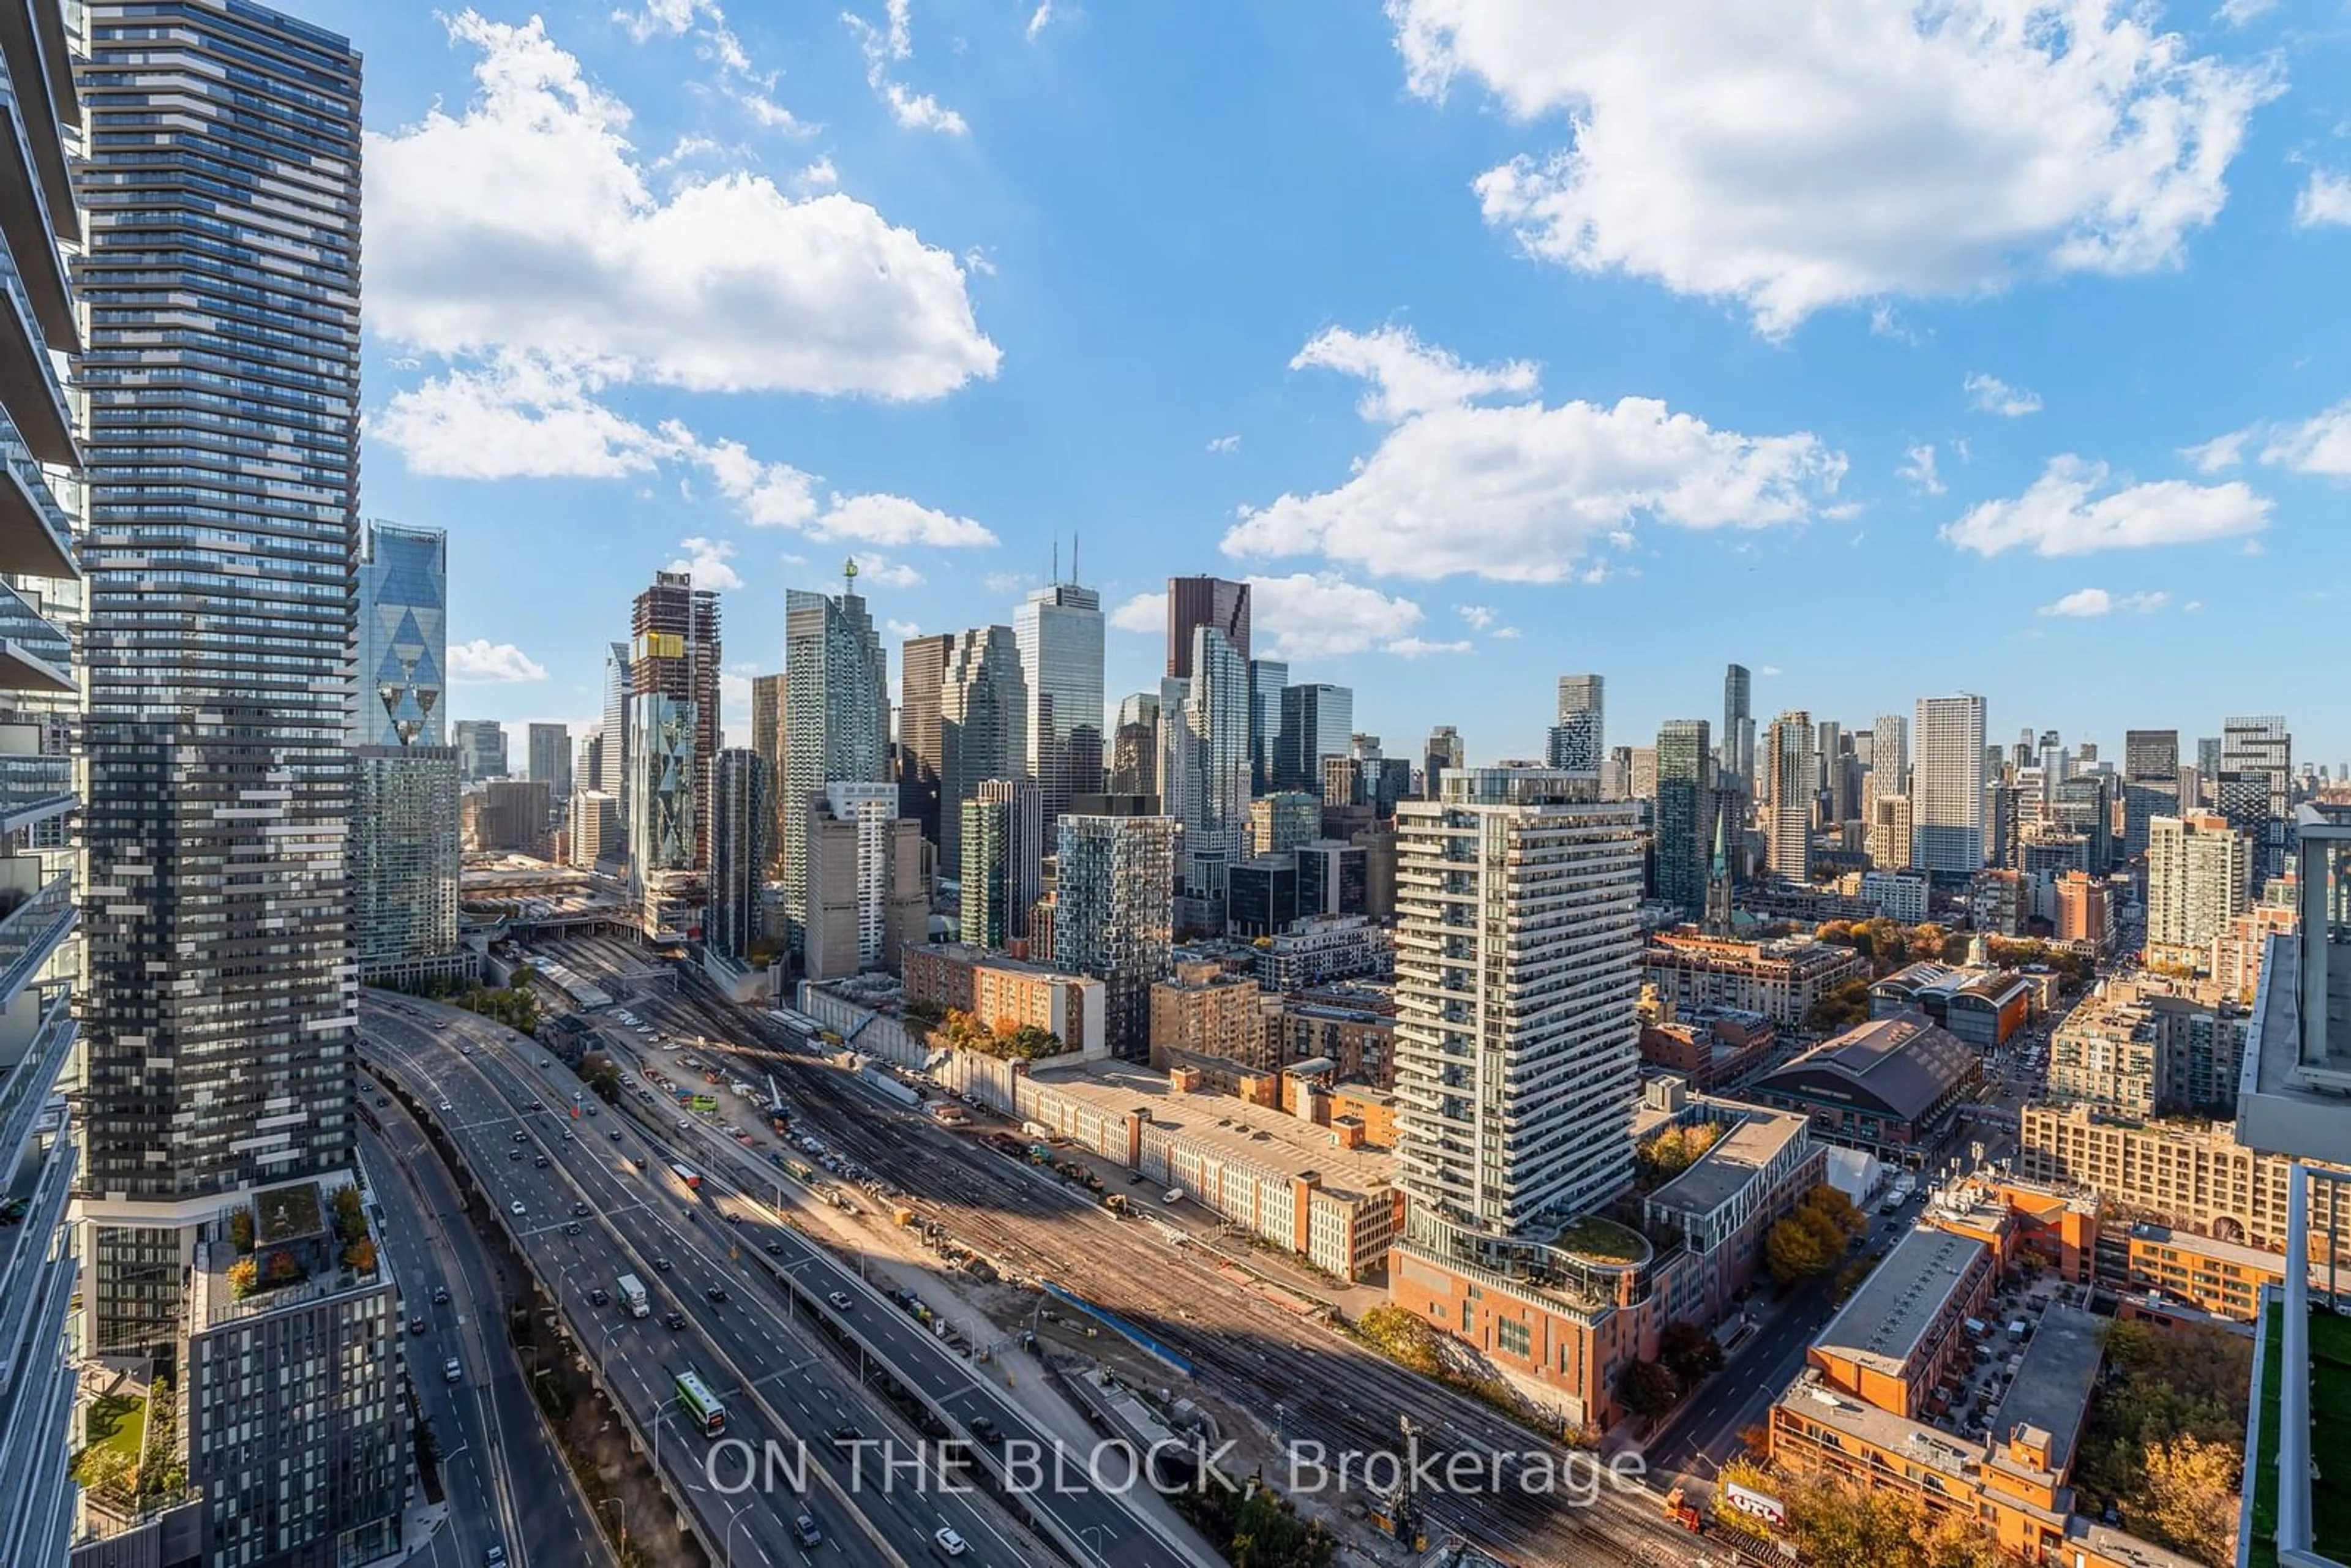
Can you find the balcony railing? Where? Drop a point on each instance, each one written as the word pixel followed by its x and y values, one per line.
pixel 33 788
pixel 28 382
pixel 36 654
pixel 24 1087
pixel 31 928
pixel 35 536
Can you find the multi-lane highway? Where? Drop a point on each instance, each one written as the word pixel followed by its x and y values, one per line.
pixel 1304 1381
pixel 594 1205
pixel 506 1484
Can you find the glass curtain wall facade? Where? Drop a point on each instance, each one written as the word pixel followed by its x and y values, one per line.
pixel 982 724
pixel 1058 630
pixel 742 809
pixel 836 719
pixel 403 636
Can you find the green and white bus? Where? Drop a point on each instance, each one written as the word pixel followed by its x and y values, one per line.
pixel 701 1406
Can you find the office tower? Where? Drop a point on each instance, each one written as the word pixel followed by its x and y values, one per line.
pixel 1113 912
pixel 1840 782
pixel 1134 759
pixel 768 740
pixel 1685 814
pixel 1791 778
pixel 1002 868
pixel 39 703
pixel 504 816
pixel 1211 601
pixel 1317 721
pixel 1204 766
pixel 2198 873
pixel 481 749
pixel 1282 820
pixel 1059 629
pixel 588 759
pixel 836 719
pixel 403 636
pixel 1888 840
pixel 1516 1038
pixel 596 830
pixel 2208 761
pixel 2254 788
pixel 220 274
pixel 983 726
pixel 742 824
pixel 1947 786
pixel 1641 778
pixel 674 655
pixel 922 666
pixel 1577 742
pixel 1443 755
pixel 614 780
pixel 2085 757
pixel 1267 679
pixel 2084 804
pixel 867 896
pixel 2150 784
pixel 1739 729
pixel 550 759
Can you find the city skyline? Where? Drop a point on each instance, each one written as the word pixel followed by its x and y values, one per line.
pixel 2019 421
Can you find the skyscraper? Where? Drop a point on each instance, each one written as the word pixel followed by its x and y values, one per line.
pixel 1947 786
pixel 1204 768
pixel 674 654
pixel 836 718
pixel 2150 783
pixel 922 666
pixel 743 820
pixel 1211 601
pixel 1135 756
pixel 2255 786
pixel 1112 919
pixel 222 374
pixel 550 759
pixel 1059 629
pixel 867 898
pixel 1317 721
pixel 1003 860
pixel 403 636
pixel 983 726
pixel 1792 777
pixel 1579 740
pixel 1739 729
pixel 1444 755
pixel 1685 813
pixel 481 749
pixel 768 740
pixel 1517 1043
pixel 1267 679
pixel 2199 872
pixel 39 701
pixel 614 780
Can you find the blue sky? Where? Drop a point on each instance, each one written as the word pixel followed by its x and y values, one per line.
pixel 2004 351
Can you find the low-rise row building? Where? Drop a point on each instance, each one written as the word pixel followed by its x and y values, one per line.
pixel 1781 979
pixel 1004 992
pixel 1981 1006
pixel 1708 1046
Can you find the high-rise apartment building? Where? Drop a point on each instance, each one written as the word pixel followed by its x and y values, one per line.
pixel 1947 786
pixel 1134 768
pixel 1059 629
pixel 1739 728
pixel 2150 784
pixel 1685 813
pixel 1003 860
pixel 40 1259
pixel 1113 916
pixel 983 726
pixel 836 719
pixel 1577 740
pixel 1443 755
pixel 1791 780
pixel 1317 721
pixel 597 834
pixel 742 826
pixel 1267 679
pixel 768 740
pixel 615 778
pixel 551 759
pixel 867 896
pixel 674 654
pixel 2197 877
pixel 1889 753
pixel 1205 766
pixel 220 274
pixel 2254 788
pixel 1888 837
pixel 1517 1042
pixel 1210 601
pixel 481 750
pixel 922 668
pixel 403 577
pixel 1282 820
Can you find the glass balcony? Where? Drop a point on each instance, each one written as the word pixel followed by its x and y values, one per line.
pixel 25 223
pixel 35 537
pixel 34 787
pixel 36 654
pixel 32 924
pixel 27 1083
pixel 29 389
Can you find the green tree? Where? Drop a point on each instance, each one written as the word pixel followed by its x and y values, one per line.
pixel 1688 1352
pixel 1646 1388
pixel 1793 1251
pixel 602 1076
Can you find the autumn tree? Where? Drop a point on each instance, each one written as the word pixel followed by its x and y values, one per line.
pixel 2188 1500
pixel 1688 1352
pixel 1646 1388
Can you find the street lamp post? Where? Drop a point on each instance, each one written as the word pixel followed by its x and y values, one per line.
pixel 622 1504
pixel 734 1519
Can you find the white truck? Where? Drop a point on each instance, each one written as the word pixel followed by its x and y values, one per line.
pixel 634 1300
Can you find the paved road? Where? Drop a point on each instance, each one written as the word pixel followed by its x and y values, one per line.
pixel 775 1379
pixel 506 1485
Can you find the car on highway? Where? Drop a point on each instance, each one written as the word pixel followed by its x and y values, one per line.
pixel 517 1209
pixel 416 1325
pixel 495 1557
pixel 516 1155
pixel 465 1050
pixel 440 1294
pixel 661 1265
pixel 446 1106
pixel 984 1430
pixel 614 1135
pixel 773 1248
pixel 538 1163
pixel 520 1137
pixel 571 1229
pixel 844 1434
pixel 382 1102
pixel 672 1319
pixel 717 1295
pixel 683 1123
pixel 543 1061
pixel 949 1543
pixel 580 1209
pixel 806 1531
pixel 600 1297
pixel 840 1302
pixel 453 1370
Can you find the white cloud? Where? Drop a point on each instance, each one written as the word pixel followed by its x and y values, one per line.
pixel 1989 395
pixel 2192 606
pixel 888 573
pixel 1321 615
pixel 1225 443
pixel 484 662
pixel 524 225
pixel 1767 669
pixel 1039 18
pixel 1002 582
pixel 895 520
pixel 893 44
pixel 717 42
pixel 819 175
pixel 2327 199
pixel 1917 469
pixel 2057 516
pixel 1421 647
pixel 519 417
pixel 2320 444
pixel 2220 454
pixel 1521 492
pixel 1793 155
pixel 901 630
pixel 708 561
pixel 976 260
pixel 1479 616
pixel 2085 602
pixel 2237 13
pixel 1506 634
pixel 1144 612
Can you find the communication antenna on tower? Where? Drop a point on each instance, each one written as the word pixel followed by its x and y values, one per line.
pixel 1057 558
pixel 1073 557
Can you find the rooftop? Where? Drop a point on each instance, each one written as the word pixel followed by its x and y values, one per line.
pixel 2052 1389
pixel 1904 1063
pixel 1257 1136
pixel 1881 1326
pixel 1733 1164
